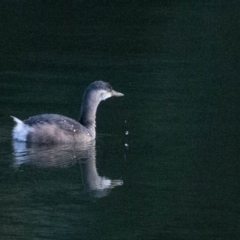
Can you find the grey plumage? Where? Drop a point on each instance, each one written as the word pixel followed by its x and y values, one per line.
pixel 64 123
pixel 54 128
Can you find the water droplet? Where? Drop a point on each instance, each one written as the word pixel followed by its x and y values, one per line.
pixel 126 145
pixel 126 133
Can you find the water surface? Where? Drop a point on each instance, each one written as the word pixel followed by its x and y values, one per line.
pixel 165 164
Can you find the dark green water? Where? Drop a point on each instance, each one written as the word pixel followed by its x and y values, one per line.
pixel 170 147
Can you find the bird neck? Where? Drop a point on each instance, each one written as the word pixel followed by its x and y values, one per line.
pixel 88 113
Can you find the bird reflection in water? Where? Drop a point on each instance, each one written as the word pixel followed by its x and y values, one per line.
pixel 63 156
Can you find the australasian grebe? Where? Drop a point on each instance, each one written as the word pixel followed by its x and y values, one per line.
pixel 54 128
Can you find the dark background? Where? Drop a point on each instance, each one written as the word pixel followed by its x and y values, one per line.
pixel 177 62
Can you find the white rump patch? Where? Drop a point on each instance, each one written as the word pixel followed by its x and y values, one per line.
pixel 21 130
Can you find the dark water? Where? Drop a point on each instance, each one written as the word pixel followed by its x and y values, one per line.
pixel 165 164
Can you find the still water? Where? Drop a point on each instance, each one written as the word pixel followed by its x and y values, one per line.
pixel 165 163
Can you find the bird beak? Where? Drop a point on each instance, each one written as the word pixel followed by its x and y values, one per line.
pixel 116 94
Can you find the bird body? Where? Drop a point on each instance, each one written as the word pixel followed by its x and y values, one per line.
pixel 54 128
